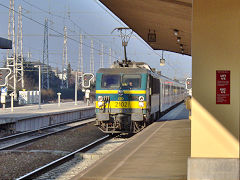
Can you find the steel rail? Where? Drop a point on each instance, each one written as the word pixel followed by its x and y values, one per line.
pixel 58 162
pixel 7 138
pixel 15 145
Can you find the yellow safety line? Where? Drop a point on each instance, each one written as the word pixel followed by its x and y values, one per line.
pixel 134 91
pixel 124 91
pixel 106 91
pixel 123 105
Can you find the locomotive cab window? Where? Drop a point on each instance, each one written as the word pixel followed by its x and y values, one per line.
pixel 111 81
pixel 131 81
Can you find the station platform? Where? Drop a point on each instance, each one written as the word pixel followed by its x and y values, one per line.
pixel 23 112
pixel 160 152
pixel 30 117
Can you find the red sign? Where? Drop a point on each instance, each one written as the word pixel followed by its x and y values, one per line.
pixel 222 87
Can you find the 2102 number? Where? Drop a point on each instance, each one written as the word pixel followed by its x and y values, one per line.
pixel 121 104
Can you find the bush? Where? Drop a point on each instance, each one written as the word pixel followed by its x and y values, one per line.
pixel 70 94
pixel 48 95
pixel 51 95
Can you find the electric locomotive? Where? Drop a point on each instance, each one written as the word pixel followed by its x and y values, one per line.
pixel 131 96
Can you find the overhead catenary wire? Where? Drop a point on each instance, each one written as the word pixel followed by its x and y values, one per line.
pixel 61 17
pixel 169 66
pixel 54 35
pixel 59 33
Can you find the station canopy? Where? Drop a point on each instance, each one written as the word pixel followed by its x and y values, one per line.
pixel 167 20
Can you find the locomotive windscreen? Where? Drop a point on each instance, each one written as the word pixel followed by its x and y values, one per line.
pixel 114 81
pixel 111 81
pixel 131 80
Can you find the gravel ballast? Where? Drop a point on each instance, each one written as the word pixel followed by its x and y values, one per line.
pixel 15 164
pixel 68 140
pixel 82 161
pixel 32 156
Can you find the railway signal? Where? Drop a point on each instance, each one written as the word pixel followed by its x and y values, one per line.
pixel 189 86
pixel 4 73
pixel 189 83
pixel 86 80
pixel 86 84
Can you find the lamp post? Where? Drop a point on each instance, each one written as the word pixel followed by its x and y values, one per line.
pixel 39 85
pixel 12 95
pixel 59 99
pixel 76 86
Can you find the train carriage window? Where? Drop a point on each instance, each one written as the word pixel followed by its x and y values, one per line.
pixel 169 90
pixel 111 81
pixel 166 88
pixel 156 86
pixel 163 89
pixel 131 81
pixel 175 90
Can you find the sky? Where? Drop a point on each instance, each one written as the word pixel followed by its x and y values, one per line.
pixel 95 22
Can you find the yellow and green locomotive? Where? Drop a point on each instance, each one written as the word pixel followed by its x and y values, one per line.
pixel 128 98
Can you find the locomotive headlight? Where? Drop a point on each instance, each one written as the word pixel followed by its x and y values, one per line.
pixel 141 98
pixel 100 98
pixel 120 92
pixel 100 101
pixel 141 104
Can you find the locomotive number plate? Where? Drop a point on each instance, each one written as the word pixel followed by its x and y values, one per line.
pixel 121 104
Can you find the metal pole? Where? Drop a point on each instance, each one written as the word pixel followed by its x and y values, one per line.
pixel 110 57
pixel 22 68
pixel 76 86
pixel 64 60
pixel 102 51
pixel 19 56
pixel 125 53
pixel 39 87
pixel 12 95
pixel 59 100
pixel 91 58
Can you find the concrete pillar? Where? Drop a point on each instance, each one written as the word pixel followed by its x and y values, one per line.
pixel 215 127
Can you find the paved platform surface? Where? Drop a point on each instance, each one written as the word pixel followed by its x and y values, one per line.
pixel 180 112
pixel 33 110
pixel 159 152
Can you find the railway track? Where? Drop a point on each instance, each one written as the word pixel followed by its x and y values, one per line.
pixel 36 173
pixel 17 140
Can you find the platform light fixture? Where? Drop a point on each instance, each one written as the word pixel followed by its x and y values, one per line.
pixel 178 39
pixel 176 32
pixel 152 36
pixel 182 51
pixel 162 60
pixel 181 46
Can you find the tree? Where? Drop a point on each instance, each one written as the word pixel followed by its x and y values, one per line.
pixel 69 75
